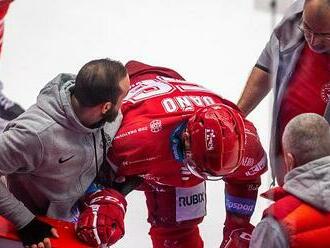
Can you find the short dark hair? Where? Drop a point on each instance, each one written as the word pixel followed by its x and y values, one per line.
pixel 307 137
pixel 98 82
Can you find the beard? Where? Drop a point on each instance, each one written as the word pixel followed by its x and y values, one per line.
pixel 109 116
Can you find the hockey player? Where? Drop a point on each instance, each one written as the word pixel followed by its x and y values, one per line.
pixel 176 134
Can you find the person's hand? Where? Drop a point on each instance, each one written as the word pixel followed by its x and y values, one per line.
pixel 238 237
pixel 36 234
pixel 102 220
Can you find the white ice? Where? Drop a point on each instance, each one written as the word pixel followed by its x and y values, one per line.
pixel 212 42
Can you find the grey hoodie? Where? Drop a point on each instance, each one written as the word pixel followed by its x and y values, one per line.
pixel 48 156
pixel 310 183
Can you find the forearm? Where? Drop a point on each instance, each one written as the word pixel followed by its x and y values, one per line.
pixel 12 209
pixel 240 202
pixel 241 197
pixel 256 88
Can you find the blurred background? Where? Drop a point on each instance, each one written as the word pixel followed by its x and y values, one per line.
pixel 212 42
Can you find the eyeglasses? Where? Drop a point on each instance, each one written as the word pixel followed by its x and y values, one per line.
pixel 310 35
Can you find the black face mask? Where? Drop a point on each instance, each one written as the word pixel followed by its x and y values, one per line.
pixel 109 116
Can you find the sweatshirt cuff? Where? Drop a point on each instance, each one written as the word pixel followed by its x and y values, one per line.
pixel 21 217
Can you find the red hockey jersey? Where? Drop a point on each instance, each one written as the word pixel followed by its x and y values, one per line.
pixel 158 105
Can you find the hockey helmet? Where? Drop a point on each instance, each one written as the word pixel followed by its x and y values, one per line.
pixel 214 142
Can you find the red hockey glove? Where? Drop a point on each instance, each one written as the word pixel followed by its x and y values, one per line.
pixel 238 237
pixel 102 220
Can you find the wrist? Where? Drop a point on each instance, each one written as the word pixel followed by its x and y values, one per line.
pixel 105 197
pixel 34 232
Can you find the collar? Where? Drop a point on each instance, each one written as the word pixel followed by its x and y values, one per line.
pixel 177 147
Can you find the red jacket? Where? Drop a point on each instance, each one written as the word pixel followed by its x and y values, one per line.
pixel 305 226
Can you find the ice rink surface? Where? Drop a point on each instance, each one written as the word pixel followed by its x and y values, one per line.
pixel 212 42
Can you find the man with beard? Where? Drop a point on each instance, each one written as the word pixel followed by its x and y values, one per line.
pixel 53 152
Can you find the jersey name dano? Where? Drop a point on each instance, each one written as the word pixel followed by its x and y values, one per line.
pixel 153 108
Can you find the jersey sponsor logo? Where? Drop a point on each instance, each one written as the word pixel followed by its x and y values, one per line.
pixel 325 92
pixel 147 159
pixel 155 126
pixel 190 202
pixel 131 132
pixel 253 187
pixel 247 161
pixel 209 139
pixel 258 167
pixel 239 205
pixel 64 159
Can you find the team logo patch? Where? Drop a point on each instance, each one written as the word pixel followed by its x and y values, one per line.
pixel 156 126
pixel 209 139
pixel 325 92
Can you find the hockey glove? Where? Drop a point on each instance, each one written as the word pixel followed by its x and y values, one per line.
pixel 101 222
pixel 238 237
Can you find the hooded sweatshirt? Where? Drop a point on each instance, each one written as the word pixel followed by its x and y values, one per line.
pixel 311 184
pixel 49 157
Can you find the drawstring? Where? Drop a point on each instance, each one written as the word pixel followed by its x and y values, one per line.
pixel 95 153
pixel 104 174
pixel 104 143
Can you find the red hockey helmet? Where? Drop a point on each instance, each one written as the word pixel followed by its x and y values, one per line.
pixel 215 142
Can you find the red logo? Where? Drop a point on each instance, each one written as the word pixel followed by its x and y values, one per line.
pixel 209 139
pixel 325 92
pixel 156 126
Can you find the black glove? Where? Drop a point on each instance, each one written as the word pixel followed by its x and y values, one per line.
pixel 34 232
